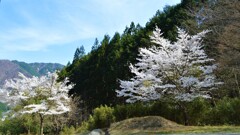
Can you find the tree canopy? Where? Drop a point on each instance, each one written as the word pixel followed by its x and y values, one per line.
pixel 40 95
pixel 180 71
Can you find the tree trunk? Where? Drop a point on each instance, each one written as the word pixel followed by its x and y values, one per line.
pixel 29 130
pixel 186 117
pixel 236 81
pixel 41 124
pixel 185 113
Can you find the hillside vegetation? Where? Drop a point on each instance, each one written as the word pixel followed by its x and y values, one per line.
pixel 97 74
pixel 109 60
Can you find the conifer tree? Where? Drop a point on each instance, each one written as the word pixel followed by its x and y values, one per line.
pixel 95 45
pixel 79 53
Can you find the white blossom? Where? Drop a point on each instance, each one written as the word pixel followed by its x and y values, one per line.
pixel 48 96
pixel 180 69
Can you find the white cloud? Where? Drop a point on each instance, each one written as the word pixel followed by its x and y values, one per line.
pixel 33 31
pixel 39 33
pixel 38 25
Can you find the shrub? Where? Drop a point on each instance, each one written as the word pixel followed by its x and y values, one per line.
pixel 164 109
pixel 198 110
pixel 12 126
pixel 226 111
pixel 68 131
pixel 139 109
pixel 102 117
pixel 83 128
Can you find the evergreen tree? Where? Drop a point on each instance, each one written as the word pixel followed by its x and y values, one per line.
pixel 79 53
pixel 95 45
pixel 95 74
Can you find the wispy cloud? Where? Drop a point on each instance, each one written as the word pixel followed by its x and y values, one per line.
pixel 39 32
pixel 40 25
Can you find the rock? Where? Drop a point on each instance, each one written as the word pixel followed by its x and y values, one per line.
pixel 96 132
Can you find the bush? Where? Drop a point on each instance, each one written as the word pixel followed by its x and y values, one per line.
pixel 226 111
pixel 83 128
pixel 122 112
pixel 164 109
pixel 68 131
pixel 12 126
pixel 102 117
pixel 198 110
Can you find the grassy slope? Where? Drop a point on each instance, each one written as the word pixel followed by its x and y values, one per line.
pixel 145 125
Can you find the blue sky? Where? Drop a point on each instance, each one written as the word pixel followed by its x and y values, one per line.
pixel 51 30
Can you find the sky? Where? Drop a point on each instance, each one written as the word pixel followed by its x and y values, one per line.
pixel 51 30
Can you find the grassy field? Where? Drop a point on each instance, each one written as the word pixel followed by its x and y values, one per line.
pixel 158 125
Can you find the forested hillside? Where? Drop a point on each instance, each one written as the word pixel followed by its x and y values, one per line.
pixel 96 74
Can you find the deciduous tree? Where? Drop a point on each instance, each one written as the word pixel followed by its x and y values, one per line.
pixel 180 71
pixel 39 95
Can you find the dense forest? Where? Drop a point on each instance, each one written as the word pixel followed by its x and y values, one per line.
pixel 97 74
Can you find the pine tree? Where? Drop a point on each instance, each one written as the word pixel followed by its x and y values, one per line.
pixel 79 53
pixel 95 45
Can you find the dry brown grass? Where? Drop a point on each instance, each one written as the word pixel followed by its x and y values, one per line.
pixel 145 123
pixel 159 125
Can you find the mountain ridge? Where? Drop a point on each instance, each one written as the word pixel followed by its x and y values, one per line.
pixel 10 69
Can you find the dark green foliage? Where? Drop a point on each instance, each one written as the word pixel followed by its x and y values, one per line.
pixel 167 110
pixel 197 111
pixel 200 111
pixel 96 75
pixel 79 53
pixel 122 112
pixel 226 111
pixel 95 45
pixel 167 20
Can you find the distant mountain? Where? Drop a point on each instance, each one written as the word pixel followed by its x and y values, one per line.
pixel 10 69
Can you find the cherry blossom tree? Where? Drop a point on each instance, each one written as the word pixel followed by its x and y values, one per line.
pixel 40 95
pixel 180 71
